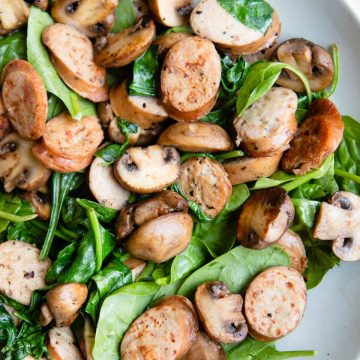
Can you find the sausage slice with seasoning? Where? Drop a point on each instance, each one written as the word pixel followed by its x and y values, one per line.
pixel 166 41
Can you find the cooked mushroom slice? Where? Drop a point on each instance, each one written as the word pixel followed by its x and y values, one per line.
pixel 18 167
pixel 165 331
pixel 41 4
pixel 18 279
pixel 40 199
pixel 75 63
pixel 141 110
pixel 275 303
pixel 149 135
pixel 103 185
pixel 293 245
pixel 264 218
pixel 161 239
pixel 166 41
pixel 13 15
pixel 171 12
pixel 24 99
pixel 267 127
pixel 136 266
pixel 125 223
pixel 45 316
pixel 317 138
pixel 196 137
pixel 211 21
pixel 190 79
pixel 147 170
pixel 141 7
pixel 245 169
pixel 62 344
pixel 312 60
pixel 105 113
pixel 124 47
pixel 340 221
pixel 205 181
pixel 88 340
pixel 5 127
pixel 116 135
pixel 65 301
pixel 205 349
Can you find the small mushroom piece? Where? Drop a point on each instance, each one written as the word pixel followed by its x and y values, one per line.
pixel 40 199
pixel 161 239
pixel 13 15
pixel 41 4
pixel 117 136
pixel 220 312
pixel 147 170
pixel 141 7
pixel 65 301
pixel 5 127
pixel 264 218
pixel 171 12
pixel 136 266
pixel 339 220
pixel 62 344
pixel 149 135
pixel 105 113
pixel 45 316
pixel 124 47
pixel 205 349
pixel 18 167
pixel 312 60
pixel 88 340
pixel 125 223
pixel 166 41
pixel 103 185
pixel 196 137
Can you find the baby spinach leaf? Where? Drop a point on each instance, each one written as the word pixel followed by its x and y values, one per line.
pixel 98 236
pixel 105 214
pixel 55 106
pixel 232 74
pixel 117 313
pixel 256 14
pixel 38 56
pixel 74 216
pixel 26 231
pixel 221 157
pixel 12 47
pixel 180 29
pixel 125 15
pixel 235 268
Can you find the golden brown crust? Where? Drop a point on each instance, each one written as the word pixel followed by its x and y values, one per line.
pixel 166 41
pixel 5 127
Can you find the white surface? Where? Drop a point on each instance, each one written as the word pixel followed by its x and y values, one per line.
pixel 332 319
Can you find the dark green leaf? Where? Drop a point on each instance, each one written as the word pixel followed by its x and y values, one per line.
pixel 55 107
pixel 74 216
pixel 232 74
pixel 125 15
pixel 179 29
pixel 12 47
pixel 105 214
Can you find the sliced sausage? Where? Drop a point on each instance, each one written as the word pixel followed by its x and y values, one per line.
pixel 124 47
pixel 318 137
pixel 73 139
pixel 141 110
pixel 24 98
pixel 72 56
pixel 104 186
pixel 275 303
pixel 62 344
pixel 18 167
pixel 205 181
pixel 267 127
pixel 5 127
pixel 171 12
pixel 190 79
pixel 147 170
pixel 196 137
pixel 211 21
pixel 245 169
pixel 166 41
pixel 21 270
pixel 165 331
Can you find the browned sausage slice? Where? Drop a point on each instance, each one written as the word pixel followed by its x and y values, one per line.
pixel 166 41
pixel 275 303
pixel 190 79
pixel 5 126
pixel 318 137
pixel 24 98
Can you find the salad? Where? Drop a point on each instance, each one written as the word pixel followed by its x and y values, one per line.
pixel 174 179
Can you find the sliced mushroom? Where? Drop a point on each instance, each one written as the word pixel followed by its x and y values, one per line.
pixel 21 270
pixel 124 47
pixel 211 21
pixel 62 344
pixel 205 349
pixel 147 170
pixel 264 218
pixel 45 316
pixel 317 138
pixel 220 312
pixel 117 136
pixel 141 110
pixel 103 185
pixel 165 331
pixel 245 169
pixel 5 127
pixel 161 239
pixel 65 301
pixel 149 135
pixel 88 340
pixel 75 63
pixel 40 199
pixel 136 266
pixel 18 167
pixel 196 137
pixel 24 98
pixel 205 181
pixel 41 4
pixel 171 12
pixel 141 7
pixel 13 15
pixel 166 41
pixel 267 127
pixel 339 220
pixel 105 114
pixel 312 60
pixel 87 16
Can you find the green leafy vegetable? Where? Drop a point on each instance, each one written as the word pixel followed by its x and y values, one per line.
pixel 179 29
pixel 97 234
pixel 191 155
pixel 229 155
pixel 12 47
pixel 125 15
pixel 105 214
pixel 232 74
pixel 55 107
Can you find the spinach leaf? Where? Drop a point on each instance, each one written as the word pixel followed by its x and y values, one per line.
pixel 125 15
pixel 179 29
pixel 105 214
pixel 38 56
pixel 236 268
pixel 97 234
pixel 26 231
pixel 146 74
pixel 220 117
pixel 232 74
pixel 74 216
pixel 117 313
pixel 218 236
pixel 221 157
pixel 55 106
pixel 187 156
pixel 256 14
pixel 12 47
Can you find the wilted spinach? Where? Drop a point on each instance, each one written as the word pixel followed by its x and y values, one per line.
pixel 55 106
pixel 105 214
pixel 232 74
pixel 12 47
pixel 125 15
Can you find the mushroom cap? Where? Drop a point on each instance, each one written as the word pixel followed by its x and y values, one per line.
pixel 220 312
pixel 40 199
pixel 13 15
pixel 45 316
